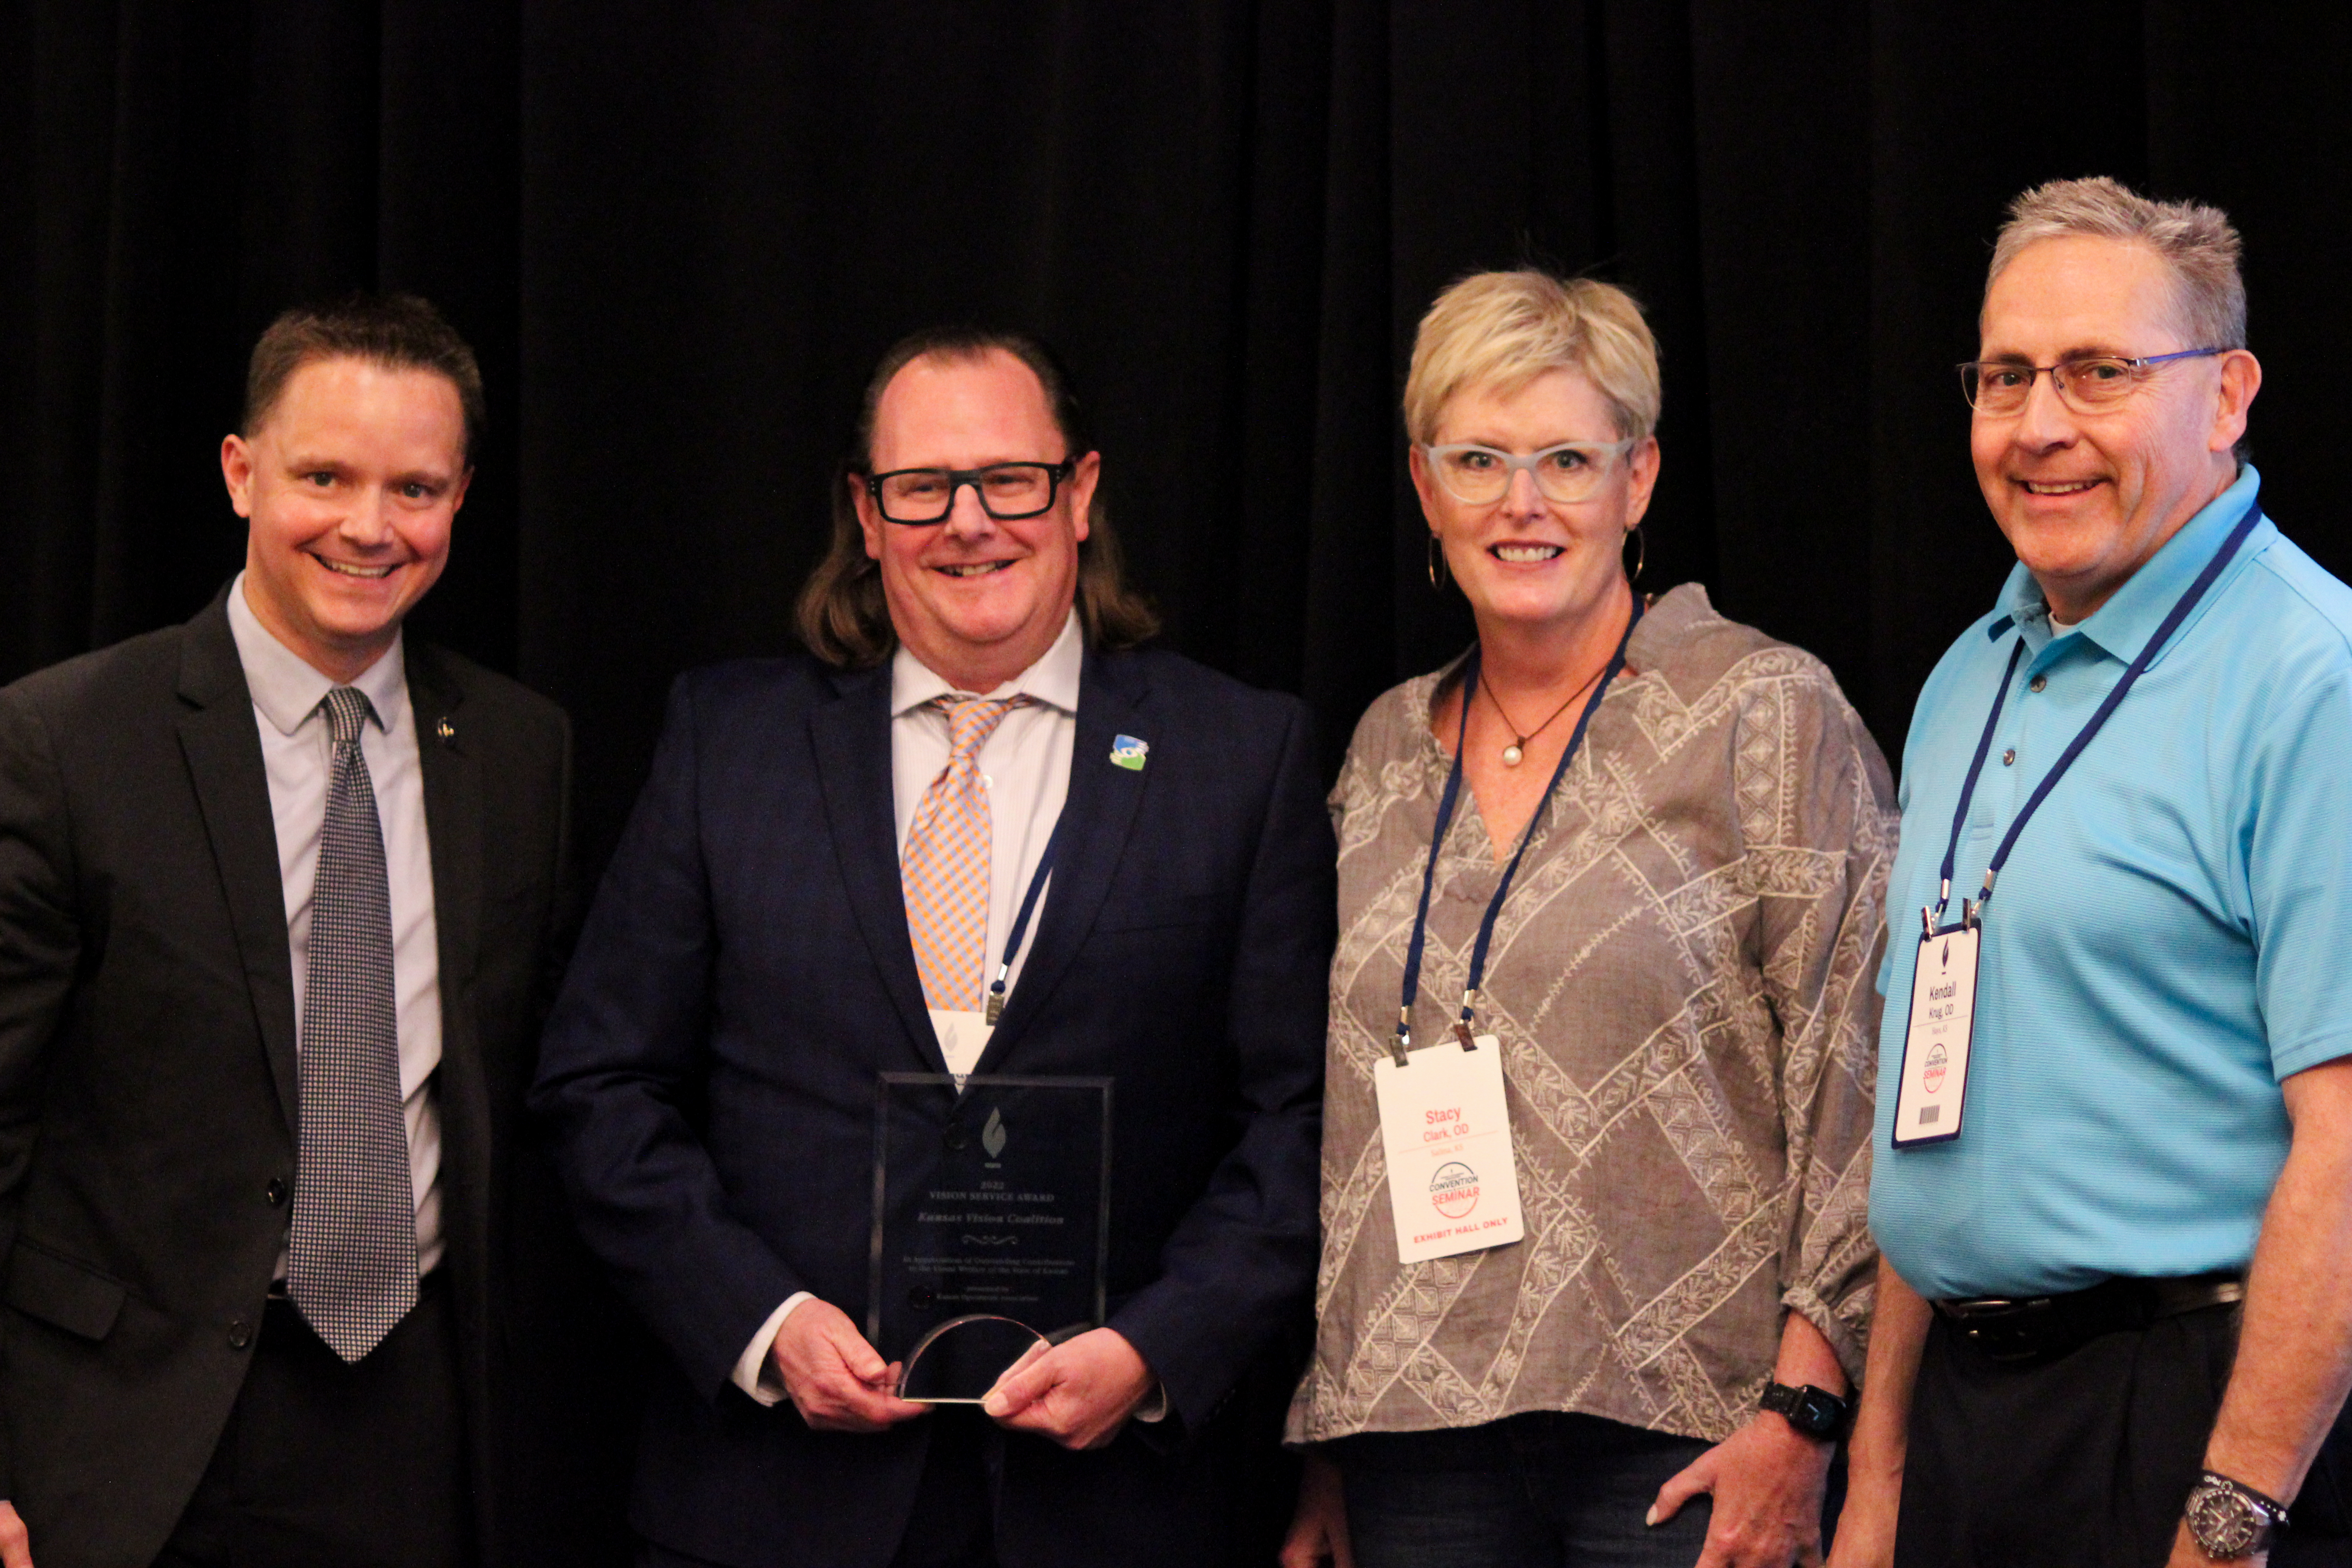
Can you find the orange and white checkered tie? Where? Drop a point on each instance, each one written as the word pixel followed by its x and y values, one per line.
pixel 944 869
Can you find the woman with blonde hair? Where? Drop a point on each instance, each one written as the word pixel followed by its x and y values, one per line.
pixel 1595 1274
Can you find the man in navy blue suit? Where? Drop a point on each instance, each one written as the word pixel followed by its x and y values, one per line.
pixel 815 888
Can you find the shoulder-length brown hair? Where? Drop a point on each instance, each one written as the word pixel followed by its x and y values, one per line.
pixel 842 614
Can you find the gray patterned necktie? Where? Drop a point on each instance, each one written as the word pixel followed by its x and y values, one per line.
pixel 352 1265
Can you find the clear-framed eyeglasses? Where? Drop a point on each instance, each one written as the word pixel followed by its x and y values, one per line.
pixel 2089 385
pixel 1007 491
pixel 1481 476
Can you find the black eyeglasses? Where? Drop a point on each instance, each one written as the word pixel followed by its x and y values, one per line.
pixel 1007 491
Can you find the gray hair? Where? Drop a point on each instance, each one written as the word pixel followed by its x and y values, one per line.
pixel 2195 241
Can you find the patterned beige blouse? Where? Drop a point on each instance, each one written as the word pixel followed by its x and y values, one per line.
pixel 1682 980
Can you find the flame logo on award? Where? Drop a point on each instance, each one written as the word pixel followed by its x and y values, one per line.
pixel 991 1137
pixel 1454 1189
pixel 1933 1078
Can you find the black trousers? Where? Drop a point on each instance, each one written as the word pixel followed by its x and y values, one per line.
pixel 953 1521
pixel 324 1462
pixel 953 1524
pixel 2085 1458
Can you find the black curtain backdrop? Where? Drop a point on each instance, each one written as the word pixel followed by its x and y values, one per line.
pixel 678 234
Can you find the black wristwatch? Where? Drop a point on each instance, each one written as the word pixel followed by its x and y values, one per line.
pixel 1815 1412
pixel 2230 1520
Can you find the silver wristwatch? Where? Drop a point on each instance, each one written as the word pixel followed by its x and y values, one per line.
pixel 2230 1521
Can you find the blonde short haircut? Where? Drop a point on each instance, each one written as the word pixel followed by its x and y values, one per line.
pixel 2194 240
pixel 1503 329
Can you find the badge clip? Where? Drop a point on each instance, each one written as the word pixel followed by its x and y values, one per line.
pixel 1401 1041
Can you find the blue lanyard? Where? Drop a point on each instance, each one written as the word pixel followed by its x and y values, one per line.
pixel 1404 1040
pixel 1021 922
pixel 1970 912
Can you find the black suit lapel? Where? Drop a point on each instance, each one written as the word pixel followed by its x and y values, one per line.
pixel 1097 817
pixel 852 738
pixel 452 772
pixel 453 816
pixel 219 739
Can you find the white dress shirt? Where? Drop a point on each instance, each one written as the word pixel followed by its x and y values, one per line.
pixel 296 749
pixel 1025 768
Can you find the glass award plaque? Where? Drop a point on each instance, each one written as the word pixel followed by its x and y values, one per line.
pixel 991 1224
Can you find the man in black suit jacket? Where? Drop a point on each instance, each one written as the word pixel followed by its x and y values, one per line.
pixel 769 941
pixel 164 863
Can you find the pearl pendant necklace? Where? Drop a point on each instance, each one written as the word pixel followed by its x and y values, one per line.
pixel 1517 751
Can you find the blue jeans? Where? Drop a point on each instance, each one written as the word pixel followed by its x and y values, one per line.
pixel 1539 1490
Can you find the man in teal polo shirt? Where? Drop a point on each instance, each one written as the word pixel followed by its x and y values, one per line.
pixel 2113 1184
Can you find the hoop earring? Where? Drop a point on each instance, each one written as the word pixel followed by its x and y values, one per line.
pixel 1640 554
pixel 1437 573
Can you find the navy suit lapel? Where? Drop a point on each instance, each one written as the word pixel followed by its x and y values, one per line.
pixel 1098 816
pixel 223 750
pixel 852 738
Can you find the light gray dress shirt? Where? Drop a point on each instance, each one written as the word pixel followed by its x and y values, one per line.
pixel 297 751
pixel 1025 768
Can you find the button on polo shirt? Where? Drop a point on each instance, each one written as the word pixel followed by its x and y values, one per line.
pixel 2171 936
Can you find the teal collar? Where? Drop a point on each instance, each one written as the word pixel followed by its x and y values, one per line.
pixel 2123 625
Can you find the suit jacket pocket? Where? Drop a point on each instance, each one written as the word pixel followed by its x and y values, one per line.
pixel 1153 914
pixel 60 1291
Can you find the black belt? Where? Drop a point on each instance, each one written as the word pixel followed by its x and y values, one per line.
pixel 2029 1328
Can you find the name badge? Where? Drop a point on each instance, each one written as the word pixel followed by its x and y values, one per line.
pixel 1453 1183
pixel 962 1038
pixel 1933 1086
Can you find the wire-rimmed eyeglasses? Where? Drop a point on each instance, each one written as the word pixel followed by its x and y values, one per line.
pixel 1007 491
pixel 1480 476
pixel 2088 384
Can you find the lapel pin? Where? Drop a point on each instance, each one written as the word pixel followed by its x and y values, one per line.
pixel 1128 753
pixel 447 730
